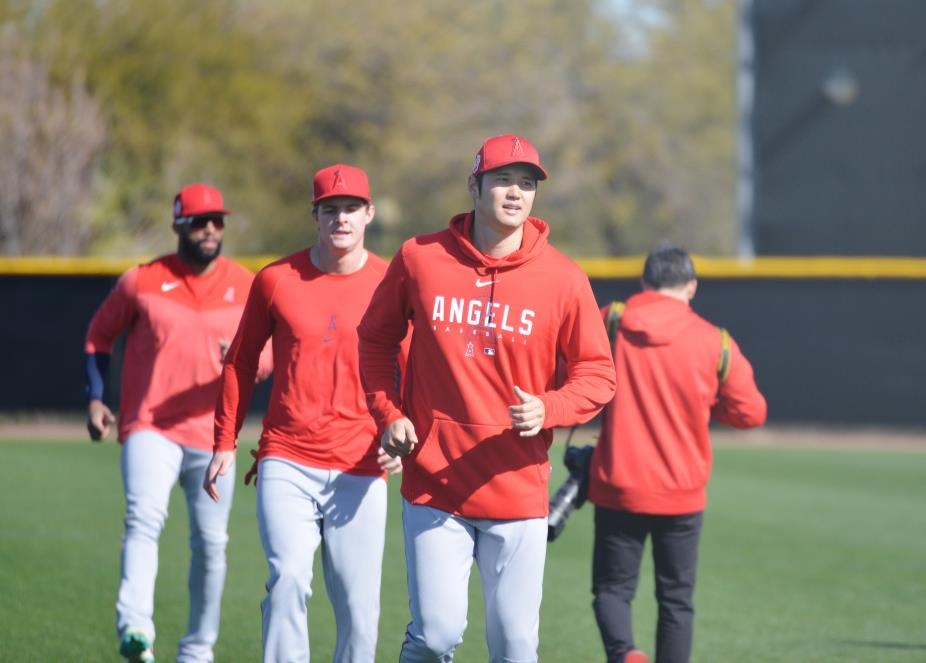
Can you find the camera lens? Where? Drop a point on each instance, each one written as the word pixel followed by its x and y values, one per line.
pixel 574 491
pixel 561 506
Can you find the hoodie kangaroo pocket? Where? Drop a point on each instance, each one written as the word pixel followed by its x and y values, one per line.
pixel 482 469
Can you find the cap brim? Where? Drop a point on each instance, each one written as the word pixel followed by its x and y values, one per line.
pixel 181 219
pixel 541 173
pixel 340 195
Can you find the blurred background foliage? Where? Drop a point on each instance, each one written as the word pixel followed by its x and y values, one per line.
pixel 109 106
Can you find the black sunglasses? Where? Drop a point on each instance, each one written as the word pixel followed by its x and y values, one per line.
pixel 200 222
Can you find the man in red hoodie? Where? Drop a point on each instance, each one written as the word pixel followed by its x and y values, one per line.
pixel 649 471
pixel 493 307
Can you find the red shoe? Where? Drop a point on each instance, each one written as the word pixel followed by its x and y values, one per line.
pixel 636 656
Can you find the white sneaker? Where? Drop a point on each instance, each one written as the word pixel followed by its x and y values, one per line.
pixel 135 646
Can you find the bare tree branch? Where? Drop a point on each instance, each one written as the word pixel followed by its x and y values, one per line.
pixel 51 138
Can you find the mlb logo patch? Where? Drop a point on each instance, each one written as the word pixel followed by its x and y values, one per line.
pixel 488 351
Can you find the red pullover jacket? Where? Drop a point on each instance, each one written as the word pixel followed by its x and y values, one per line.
pixel 316 415
pixel 175 324
pixel 654 453
pixel 481 326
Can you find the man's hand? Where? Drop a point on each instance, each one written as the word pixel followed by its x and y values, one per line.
pixel 528 415
pixel 222 462
pixel 251 474
pixel 223 349
pixel 99 420
pixel 399 438
pixel 387 463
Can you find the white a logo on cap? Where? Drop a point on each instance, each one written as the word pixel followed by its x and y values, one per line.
pixel 477 160
pixel 516 148
pixel 338 180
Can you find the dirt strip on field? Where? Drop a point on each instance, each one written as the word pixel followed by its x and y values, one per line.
pixel 811 436
pixel 58 427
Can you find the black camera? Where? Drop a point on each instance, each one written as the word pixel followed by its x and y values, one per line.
pixel 574 491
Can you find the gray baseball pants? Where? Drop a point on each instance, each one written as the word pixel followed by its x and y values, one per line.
pixel 439 551
pixel 151 465
pixel 300 509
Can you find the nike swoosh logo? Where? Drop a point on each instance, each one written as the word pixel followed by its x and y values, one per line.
pixel 167 287
pixel 481 284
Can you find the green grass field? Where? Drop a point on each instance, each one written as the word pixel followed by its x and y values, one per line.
pixel 808 554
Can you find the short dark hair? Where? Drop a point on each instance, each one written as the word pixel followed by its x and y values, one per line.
pixel 668 266
pixel 479 183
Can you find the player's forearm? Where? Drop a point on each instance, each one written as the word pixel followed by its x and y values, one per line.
pixel 97 368
pixel 384 407
pixel 588 387
pixel 740 403
pixel 746 409
pixel 232 406
pixel 378 363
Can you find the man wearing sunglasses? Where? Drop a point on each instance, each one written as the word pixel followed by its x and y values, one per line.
pixel 178 313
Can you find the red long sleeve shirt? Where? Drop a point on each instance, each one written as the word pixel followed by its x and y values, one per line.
pixel 480 327
pixel 177 325
pixel 317 415
pixel 654 453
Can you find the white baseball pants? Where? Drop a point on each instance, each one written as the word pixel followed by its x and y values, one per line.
pixel 439 552
pixel 151 465
pixel 300 508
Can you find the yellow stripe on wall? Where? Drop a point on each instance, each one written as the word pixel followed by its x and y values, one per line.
pixel 598 268
pixel 74 266
pixel 771 267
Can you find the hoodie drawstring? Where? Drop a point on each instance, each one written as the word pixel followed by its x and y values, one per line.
pixel 494 277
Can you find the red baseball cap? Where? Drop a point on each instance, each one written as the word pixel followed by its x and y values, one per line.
pixel 504 150
pixel 341 180
pixel 198 199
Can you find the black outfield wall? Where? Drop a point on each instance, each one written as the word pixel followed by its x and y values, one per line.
pixel 837 127
pixel 826 350
pixel 42 335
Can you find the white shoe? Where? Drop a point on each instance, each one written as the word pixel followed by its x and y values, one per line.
pixel 135 646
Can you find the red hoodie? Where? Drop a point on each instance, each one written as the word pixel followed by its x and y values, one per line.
pixel 481 326
pixel 654 453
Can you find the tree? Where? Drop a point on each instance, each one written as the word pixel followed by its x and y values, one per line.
pixel 52 138
pixel 633 112
pixel 662 143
